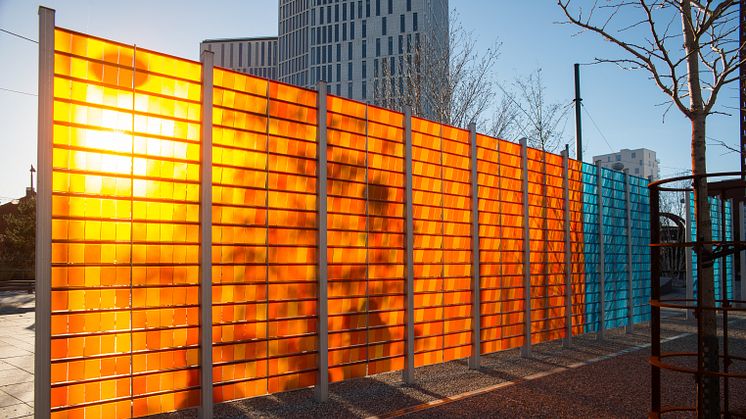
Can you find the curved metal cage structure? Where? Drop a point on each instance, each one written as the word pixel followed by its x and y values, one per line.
pixel 725 202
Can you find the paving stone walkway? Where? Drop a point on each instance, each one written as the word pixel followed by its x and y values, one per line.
pixel 16 355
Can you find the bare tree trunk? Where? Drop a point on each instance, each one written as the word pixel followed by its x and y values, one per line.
pixel 710 60
pixel 705 279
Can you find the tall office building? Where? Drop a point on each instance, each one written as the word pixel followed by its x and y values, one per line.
pixel 640 162
pixel 368 50
pixel 257 56
pixel 363 48
pixel 294 43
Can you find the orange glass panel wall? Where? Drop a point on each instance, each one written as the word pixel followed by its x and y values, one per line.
pixel 577 243
pixel 427 203
pixel 347 238
pixel 292 314
pixel 488 179
pixel 125 237
pixel 240 246
pixel 366 235
pixel 386 256
pixel 547 234
pixel 442 246
pixel 511 244
pixel 456 169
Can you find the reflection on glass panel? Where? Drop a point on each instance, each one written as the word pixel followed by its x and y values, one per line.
pixel 125 205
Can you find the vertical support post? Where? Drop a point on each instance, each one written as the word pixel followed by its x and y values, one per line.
pixel 722 204
pixel 742 238
pixel 655 295
pixel 601 253
pixel 408 373
pixel 733 260
pixel 568 246
pixel 43 269
pixel 689 260
pixel 321 392
pixel 205 247
pixel 578 127
pixel 476 322
pixel 630 284
pixel 526 348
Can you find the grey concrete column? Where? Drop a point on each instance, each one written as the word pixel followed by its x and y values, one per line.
pixel 630 285
pixel 601 253
pixel 526 348
pixel 43 270
pixel 205 245
pixel 568 246
pixel 321 391
pixel 476 320
pixel 408 373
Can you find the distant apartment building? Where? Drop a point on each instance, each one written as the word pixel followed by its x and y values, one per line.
pixel 363 49
pixel 640 162
pixel 256 56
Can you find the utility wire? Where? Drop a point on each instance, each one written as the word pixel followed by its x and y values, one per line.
pixel 596 126
pixel 19 36
pixel 18 91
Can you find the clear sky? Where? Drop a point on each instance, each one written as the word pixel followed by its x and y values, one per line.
pixel 622 104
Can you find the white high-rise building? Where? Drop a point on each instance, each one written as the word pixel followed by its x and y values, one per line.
pixel 257 56
pixel 364 49
pixel 640 162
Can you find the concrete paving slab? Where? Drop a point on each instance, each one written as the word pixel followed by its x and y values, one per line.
pixel 21 391
pixel 15 376
pixel 16 411
pixel 16 354
pixel 8 400
pixel 12 352
pixel 25 363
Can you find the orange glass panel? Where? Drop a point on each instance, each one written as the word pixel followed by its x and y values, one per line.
pixel 125 230
pixel 240 236
pixel 291 234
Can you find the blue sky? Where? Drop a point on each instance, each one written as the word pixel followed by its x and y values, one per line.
pixel 622 104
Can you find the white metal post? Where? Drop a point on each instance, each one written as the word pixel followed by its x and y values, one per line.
pixel 408 373
pixel 601 253
pixel 630 285
pixel 689 260
pixel 43 269
pixel 322 382
pixel 476 308
pixel 568 246
pixel 205 262
pixel 526 348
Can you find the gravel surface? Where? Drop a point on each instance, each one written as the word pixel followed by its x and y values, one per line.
pixel 615 387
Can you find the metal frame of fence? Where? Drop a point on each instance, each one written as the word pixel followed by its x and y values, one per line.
pixel 44 239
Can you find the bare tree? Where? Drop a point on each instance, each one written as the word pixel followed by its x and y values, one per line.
pixel 541 121
pixel 504 121
pixel 447 80
pixel 690 62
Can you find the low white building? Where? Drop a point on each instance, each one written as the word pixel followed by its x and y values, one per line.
pixel 640 162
